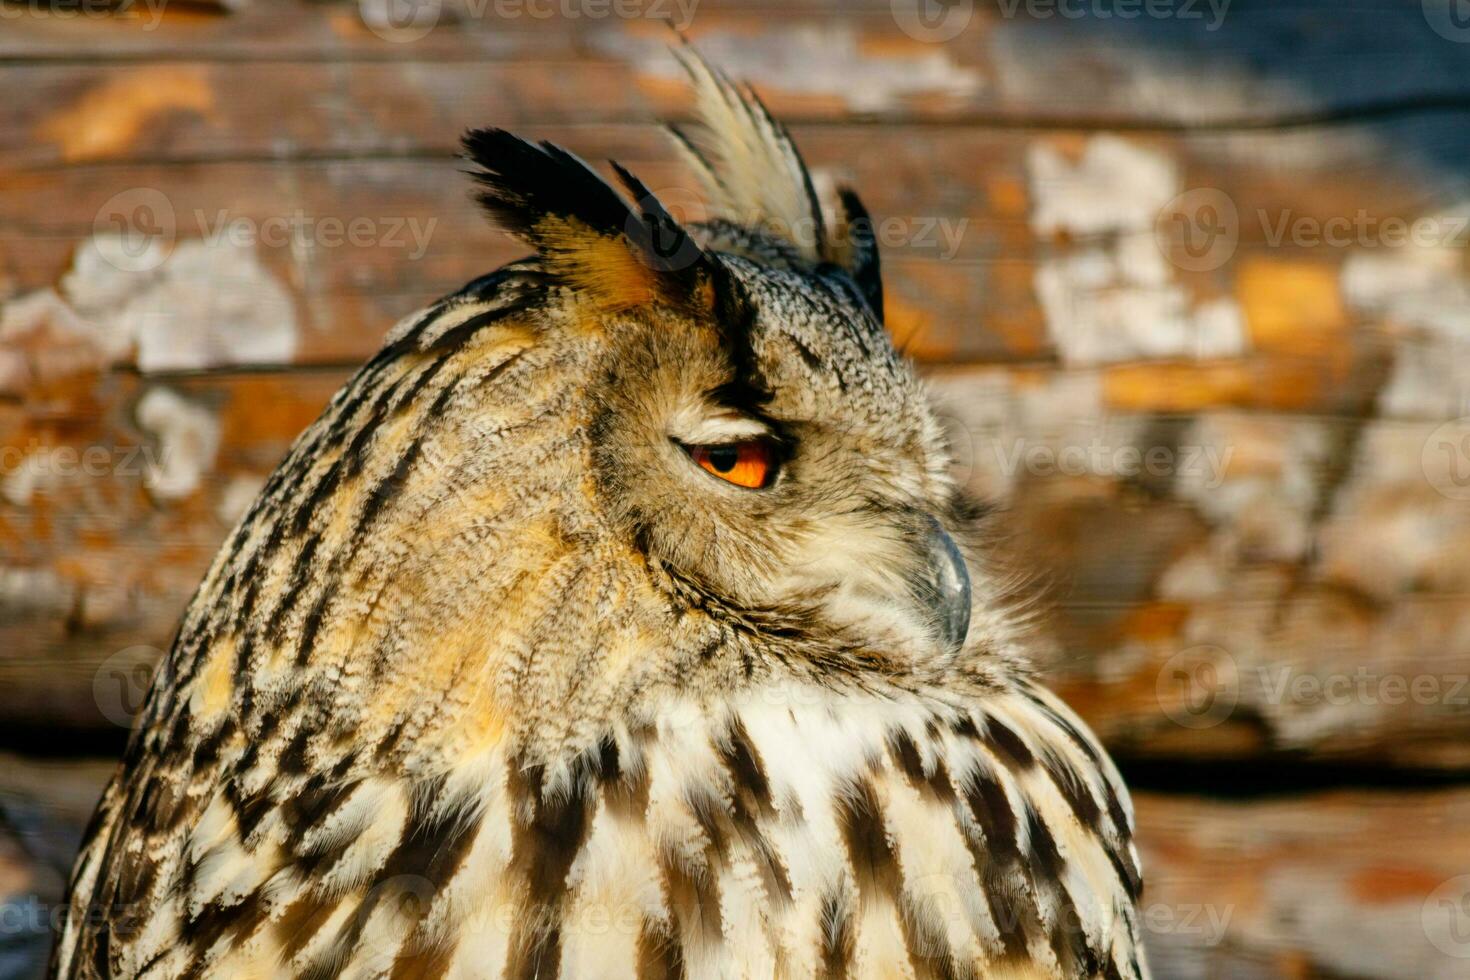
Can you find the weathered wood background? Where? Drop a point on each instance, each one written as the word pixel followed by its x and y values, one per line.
pixel 1190 280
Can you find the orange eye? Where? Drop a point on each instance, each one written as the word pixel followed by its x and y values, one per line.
pixel 745 464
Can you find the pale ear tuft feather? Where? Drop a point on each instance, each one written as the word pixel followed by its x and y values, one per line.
pixel 752 173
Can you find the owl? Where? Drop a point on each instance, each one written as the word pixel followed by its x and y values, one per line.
pixel 620 618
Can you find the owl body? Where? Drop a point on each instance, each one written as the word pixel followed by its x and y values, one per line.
pixel 618 619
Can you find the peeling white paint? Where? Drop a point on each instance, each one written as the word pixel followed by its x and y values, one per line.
pixel 1114 296
pixel 43 338
pixel 1143 81
pixel 188 439
pixel 811 59
pixel 237 497
pixel 1421 287
pixel 1422 294
pixel 1391 532
pixel 105 272
pixel 1096 313
pixel 214 305
pixel 38 470
pixel 1115 186
pixel 1008 431
pixel 1261 503
pixel 35 590
pixel 207 304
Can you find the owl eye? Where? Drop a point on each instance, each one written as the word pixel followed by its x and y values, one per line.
pixel 746 464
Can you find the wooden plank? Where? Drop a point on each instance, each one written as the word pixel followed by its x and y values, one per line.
pixel 103 545
pixel 1193 63
pixel 1246 544
pixel 194 108
pixel 44 807
pixel 1351 883
pixel 966 245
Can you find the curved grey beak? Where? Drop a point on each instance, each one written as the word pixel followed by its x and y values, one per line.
pixel 941 583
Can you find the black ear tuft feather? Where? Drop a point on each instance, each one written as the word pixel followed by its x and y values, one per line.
pixel 862 249
pixel 667 245
pixel 584 230
pixel 523 183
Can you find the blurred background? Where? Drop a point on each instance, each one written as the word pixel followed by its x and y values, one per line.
pixel 1189 278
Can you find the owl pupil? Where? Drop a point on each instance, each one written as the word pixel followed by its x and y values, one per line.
pixel 724 458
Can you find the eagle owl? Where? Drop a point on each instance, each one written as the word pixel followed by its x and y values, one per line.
pixel 620 618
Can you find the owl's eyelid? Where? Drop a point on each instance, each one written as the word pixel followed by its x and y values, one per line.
pixel 718 430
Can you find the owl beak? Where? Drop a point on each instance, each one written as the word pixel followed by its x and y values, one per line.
pixel 941 583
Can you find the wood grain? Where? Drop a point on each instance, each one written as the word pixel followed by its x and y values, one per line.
pixel 1233 469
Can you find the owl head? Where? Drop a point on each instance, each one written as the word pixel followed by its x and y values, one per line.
pixel 752 433
pixel 651 460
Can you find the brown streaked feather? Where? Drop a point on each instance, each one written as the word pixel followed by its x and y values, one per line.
pixel 493 681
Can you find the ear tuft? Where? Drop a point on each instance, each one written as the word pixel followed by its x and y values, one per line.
pixel 754 177
pixel 585 232
pixel 752 173
pixel 854 246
